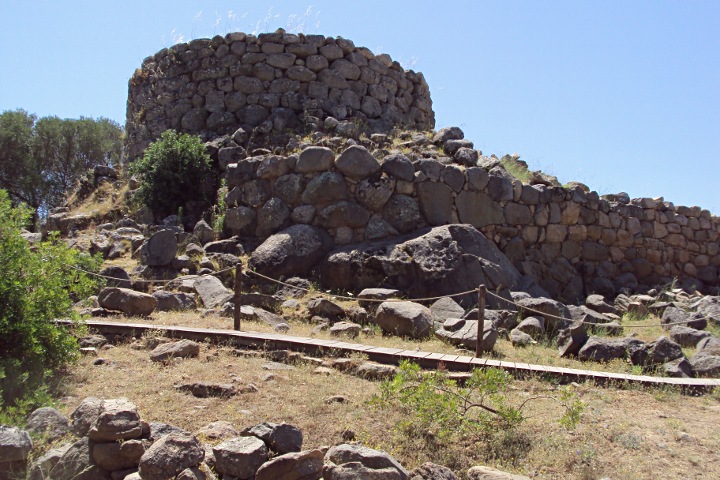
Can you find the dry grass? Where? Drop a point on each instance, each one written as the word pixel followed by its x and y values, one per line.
pixel 103 200
pixel 623 434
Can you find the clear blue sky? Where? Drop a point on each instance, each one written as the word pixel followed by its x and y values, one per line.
pixel 620 95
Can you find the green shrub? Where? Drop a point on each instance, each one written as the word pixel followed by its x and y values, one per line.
pixel 38 284
pixel 173 171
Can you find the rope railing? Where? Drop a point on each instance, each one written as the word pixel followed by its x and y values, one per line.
pixel 378 300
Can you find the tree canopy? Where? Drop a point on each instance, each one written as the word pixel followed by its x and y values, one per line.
pixel 41 159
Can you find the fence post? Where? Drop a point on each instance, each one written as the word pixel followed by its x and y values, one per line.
pixel 238 293
pixel 481 320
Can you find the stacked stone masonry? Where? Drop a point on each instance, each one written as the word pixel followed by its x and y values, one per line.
pixel 275 81
pixel 569 240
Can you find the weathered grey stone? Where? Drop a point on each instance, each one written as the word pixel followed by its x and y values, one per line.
pixel 448 133
pixel 489 473
pixel 315 159
pixel 325 188
pixel 41 467
pixel 85 415
pixel 478 209
pixel 519 338
pixel 159 249
pixel 168 301
pixel 239 219
pixel 170 455
pixel 431 471
pixel 48 422
pixel 218 430
pixel 436 202
pixel 305 465
pixel 208 389
pixel 356 162
pixel 356 470
pixel 273 216
pixel 465 335
pixel 551 310
pixel 603 349
pixel 347 329
pixel 374 194
pixel 281 438
pixel 372 459
pixel 179 349
pixel 678 368
pixel 325 308
pixel 674 315
pixel 211 290
pixel 404 318
pixel 656 353
pixel 402 212
pixel 203 232
pixel 127 301
pixel 343 214
pixel 686 336
pixel 571 339
pixel 77 464
pixel 466 156
pixel 399 167
pixel 240 457
pixel 598 303
pixel 15 444
pixel 118 419
pixel 533 326
pixel 118 456
pixel 445 308
pixel 293 251
pixel 375 294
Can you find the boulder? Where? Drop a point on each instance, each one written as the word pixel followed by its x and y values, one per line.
pixel 290 252
pixel 656 353
pixel 602 349
pixel 179 349
pixel 85 415
pixel 41 467
pixel 203 232
pixel 168 301
pixel 356 162
pixel 120 277
pixel 489 473
pixel 15 447
pixel 170 455
pixel 48 422
pixel 118 419
pixel 709 307
pixel 160 249
pixel 372 459
pixel 571 339
pixel 556 314
pixel 218 430
pixel 77 463
pixel 259 315
pixel 356 470
pixel 127 301
pixel 347 329
pixel 678 368
pixel 431 471
pixel 705 364
pixel 686 336
pixel 118 456
pixel 445 308
pixel 315 159
pixel 368 294
pixel 208 389
pixel 519 338
pixel 404 318
pixel 533 326
pixel 240 457
pixel 598 303
pixel 440 261
pixel 465 335
pixel 306 465
pixel 281 438
pixel 325 308
pixel 211 290
pixel 676 316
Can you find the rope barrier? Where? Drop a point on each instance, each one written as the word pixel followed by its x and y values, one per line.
pixel 571 320
pixel 343 297
pixel 377 300
pixel 142 280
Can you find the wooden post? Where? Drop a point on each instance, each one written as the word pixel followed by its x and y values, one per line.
pixel 238 293
pixel 481 320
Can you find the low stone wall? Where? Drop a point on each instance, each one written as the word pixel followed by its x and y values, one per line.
pixel 572 242
pixel 274 80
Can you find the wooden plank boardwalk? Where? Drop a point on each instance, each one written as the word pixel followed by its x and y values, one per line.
pixel 393 356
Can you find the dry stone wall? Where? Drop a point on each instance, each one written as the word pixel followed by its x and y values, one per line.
pixel 273 81
pixel 570 241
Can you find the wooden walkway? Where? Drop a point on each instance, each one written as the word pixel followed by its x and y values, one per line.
pixel 393 356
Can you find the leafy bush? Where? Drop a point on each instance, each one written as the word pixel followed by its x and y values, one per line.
pixel 173 171
pixel 38 284
pixel 441 412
